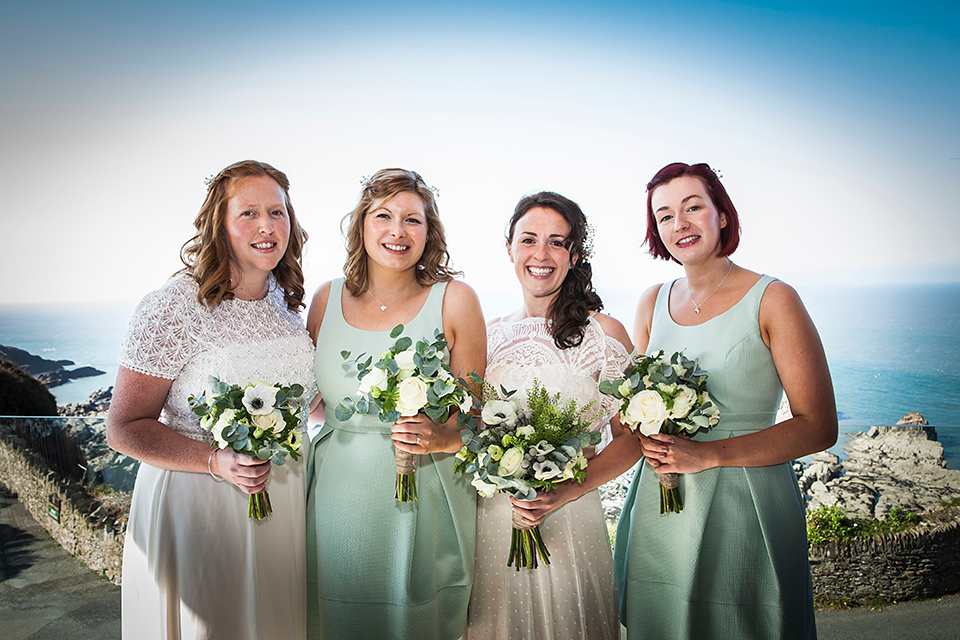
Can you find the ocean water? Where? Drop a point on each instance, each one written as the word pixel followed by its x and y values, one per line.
pixel 891 349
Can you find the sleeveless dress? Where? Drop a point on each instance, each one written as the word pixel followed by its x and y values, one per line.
pixel 575 595
pixel 194 564
pixel 378 568
pixel 733 563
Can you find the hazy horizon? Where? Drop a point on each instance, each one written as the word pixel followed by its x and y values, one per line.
pixel 834 127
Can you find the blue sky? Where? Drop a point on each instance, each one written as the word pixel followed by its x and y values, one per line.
pixel 835 127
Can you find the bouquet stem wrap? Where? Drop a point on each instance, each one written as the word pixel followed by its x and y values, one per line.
pixel 406 475
pixel 258 505
pixel 670 500
pixel 526 545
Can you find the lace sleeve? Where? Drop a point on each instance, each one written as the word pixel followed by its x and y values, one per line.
pixel 615 360
pixel 164 332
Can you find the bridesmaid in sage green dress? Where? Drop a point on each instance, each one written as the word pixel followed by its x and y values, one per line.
pixel 376 567
pixel 733 562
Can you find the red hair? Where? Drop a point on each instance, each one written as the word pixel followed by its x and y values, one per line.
pixel 729 235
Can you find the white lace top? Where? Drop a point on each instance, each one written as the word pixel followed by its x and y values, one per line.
pixel 520 352
pixel 173 336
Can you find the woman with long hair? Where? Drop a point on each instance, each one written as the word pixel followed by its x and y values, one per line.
pixel 194 564
pixel 559 338
pixel 379 568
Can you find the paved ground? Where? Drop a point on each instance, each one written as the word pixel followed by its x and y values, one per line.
pixel 47 594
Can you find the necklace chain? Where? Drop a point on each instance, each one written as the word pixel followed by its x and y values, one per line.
pixel 384 305
pixel 696 307
pixel 251 298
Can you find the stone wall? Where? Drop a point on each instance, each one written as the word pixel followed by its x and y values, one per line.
pixel 77 521
pixel 911 565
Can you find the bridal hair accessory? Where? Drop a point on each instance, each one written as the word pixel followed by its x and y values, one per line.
pixel 586 251
pixel 367 181
pixel 209 180
pixel 718 172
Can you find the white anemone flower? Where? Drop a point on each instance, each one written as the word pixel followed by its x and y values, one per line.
pixel 259 399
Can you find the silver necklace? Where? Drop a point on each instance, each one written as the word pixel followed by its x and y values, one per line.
pixel 696 307
pixel 251 298
pixel 383 305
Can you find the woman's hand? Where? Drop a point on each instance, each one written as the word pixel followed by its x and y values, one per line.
pixel 420 435
pixel 534 511
pixel 675 454
pixel 247 473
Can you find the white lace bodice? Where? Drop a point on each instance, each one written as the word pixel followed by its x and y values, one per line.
pixel 522 351
pixel 173 336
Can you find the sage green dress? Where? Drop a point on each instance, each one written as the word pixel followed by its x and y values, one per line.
pixel 378 568
pixel 733 563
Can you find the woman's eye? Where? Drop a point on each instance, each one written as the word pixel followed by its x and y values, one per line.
pixel 693 208
pixel 414 221
pixel 278 212
pixel 559 244
pixel 248 214
pixel 665 218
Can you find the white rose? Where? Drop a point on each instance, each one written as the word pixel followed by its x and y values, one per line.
pixel 405 360
pixel 485 489
pixel 376 377
pixel 683 402
pixel 499 412
pixel 647 410
pixel 525 431
pixel 260 399
pixel 412 396
pixel 510 462
pixel 272 421
pixel 546 470
pixel 227 417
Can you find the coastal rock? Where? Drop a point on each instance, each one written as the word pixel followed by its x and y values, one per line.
pixel 62 376
pixel 30 363
pixel 888 467
pixel 50 373
pixel 98 405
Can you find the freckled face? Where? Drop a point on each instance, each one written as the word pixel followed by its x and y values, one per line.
pixel 687 220
pixel 395 234
pixel 257 226
pixel 539 251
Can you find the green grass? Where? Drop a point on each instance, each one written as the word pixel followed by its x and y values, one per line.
pixel 830 523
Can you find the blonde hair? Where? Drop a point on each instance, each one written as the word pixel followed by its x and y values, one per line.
pixel 433 265
pixel 207 254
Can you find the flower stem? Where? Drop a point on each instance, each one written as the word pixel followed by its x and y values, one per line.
pixel 258 505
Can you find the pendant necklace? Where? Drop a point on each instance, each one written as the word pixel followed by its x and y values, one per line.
pixel 251 298
pixel 696 307
pixel 383 305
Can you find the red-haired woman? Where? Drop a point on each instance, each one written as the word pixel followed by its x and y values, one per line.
pixel 733 562
pixel 194 564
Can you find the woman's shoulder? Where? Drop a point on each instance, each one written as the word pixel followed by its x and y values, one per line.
pixel 613 328
pixel 461 303
pixel 318 307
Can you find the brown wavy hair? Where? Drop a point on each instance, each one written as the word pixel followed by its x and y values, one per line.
pixel 207 254
pixel 434 264
pixel 570 310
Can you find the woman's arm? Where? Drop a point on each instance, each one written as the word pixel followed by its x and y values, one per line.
pixel 643 319
pixel 798 355
pixel 466 336
pixel 134 429
pixel 318 307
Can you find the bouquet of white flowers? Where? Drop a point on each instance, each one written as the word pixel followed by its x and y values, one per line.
pixel 520 451
pixel 664 395
pixel 259 419
pixel 406 380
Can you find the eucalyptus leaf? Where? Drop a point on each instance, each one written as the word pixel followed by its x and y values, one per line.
pixel 343 413
pixel 396 331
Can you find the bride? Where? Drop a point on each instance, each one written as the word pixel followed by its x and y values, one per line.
pixel 558 338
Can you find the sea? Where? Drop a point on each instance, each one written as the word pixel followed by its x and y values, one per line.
pixel 891 348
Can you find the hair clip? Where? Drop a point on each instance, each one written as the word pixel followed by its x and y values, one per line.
pixel 209 180
pixel 436 192
pixel 365 181
pixel 586 250
pixel 718 172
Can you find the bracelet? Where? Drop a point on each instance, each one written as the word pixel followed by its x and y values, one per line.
pixel 210 466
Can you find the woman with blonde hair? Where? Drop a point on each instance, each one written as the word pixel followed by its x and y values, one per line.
pixel 194 564
pixel 377 567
